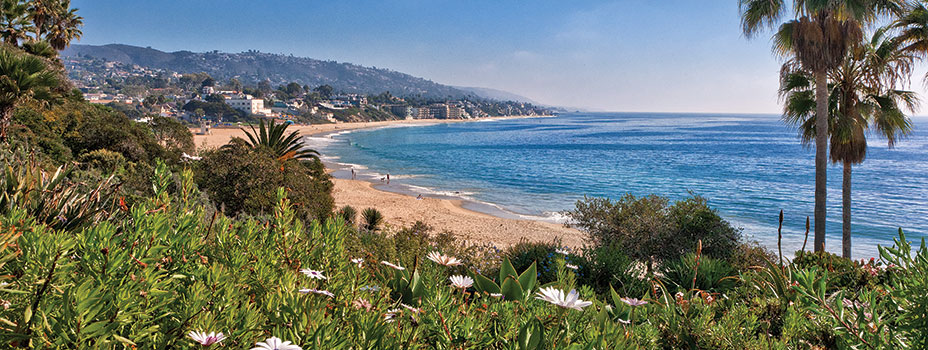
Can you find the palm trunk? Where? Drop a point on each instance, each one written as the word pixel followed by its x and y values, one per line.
pixel 846 211
pixel 6 114
pixel 821 157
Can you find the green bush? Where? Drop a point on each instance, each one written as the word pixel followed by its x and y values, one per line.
pixel 545 255
pixel 842 273
pixel 371 219
pixel 607 266
pixel 651 230
pixel 711 275
pixel 349 214
pixel 241 179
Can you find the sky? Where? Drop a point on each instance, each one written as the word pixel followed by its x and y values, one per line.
pixel 626 56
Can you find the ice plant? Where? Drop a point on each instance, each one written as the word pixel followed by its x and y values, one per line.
pixel 393 265
pixel 313 274
pixel 562 251
pixel 442 259
pixel 358 261
pixel 633 301
pixel 557 297
pixel 206 339
pixel 317 291
pixel 462 282
pixel 275 343
pixel 571 266
pixel 390 315
pixel 413 309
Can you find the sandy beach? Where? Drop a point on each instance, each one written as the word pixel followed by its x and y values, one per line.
pixel 403 210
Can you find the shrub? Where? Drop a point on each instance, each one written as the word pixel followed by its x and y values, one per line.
pixel 607 266
pixel 711 275
pixel 842 273
pixel 525 253
pixel 371 219
pixel 349 214
pixel 243 180
pixel 651 230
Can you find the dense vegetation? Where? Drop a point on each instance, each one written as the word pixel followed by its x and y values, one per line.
pixel 146 275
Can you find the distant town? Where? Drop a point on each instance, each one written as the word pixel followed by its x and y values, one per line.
pixel 199 99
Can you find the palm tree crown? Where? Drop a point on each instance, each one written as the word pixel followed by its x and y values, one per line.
pixel 272 136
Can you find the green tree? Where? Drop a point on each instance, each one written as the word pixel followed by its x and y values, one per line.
pixel 14 21
pixel 23 77
pixel 862 95
pixel 325 91
pixel 172 134
pixel 818 38
pixel 272 136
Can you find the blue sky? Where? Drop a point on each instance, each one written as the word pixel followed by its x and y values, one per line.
pixel 634 55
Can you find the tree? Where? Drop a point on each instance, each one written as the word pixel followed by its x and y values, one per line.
pixel 23 77
pixel 817 37
pixel 62 26
pixel 862 93
pixel 171 134
pixel 243 180
pixel 325 91
pixel 14 21
pixel 271 136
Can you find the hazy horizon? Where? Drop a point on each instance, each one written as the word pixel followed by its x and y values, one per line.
pixel 621 56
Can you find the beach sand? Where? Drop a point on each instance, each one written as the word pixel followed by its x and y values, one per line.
pixel 403 210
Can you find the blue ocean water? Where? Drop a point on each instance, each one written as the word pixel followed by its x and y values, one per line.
pixel 748 166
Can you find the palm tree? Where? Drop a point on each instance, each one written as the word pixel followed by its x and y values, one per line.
pixel 22 77
pixel 817 38
pixel 284 147
pixel 64 27
pixel 862 92
pixel 372 219
pixel 14 21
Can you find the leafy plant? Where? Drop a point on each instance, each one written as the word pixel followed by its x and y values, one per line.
pixel 349 214
pixel 512 286
pixel 371 219
pixel 272 136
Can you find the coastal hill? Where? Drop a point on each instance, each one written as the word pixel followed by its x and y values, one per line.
pixel 253 66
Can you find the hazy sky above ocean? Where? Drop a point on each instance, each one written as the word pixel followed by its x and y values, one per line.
pixel 634 55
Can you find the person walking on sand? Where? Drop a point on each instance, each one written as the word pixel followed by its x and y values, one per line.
pixel 388 178
pixel 353 176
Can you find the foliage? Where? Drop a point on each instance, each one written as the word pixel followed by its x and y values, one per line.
pixel 96 286
pixel 371 219
pixel 650 229
pixel 282 146
pixel 349 214
pixel 23 78
pixel 172 134
pixel 242 180
pixel 543 254
pixel 842 273
pixel 607 266
pixel 700 273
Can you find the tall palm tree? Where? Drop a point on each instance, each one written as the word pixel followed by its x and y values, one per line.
pixel 64 26
pixel 14 21
pixel 284 146
pixel 862 93
pixel 22 77
pixel 817 38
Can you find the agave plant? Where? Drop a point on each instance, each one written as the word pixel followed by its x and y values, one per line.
pixel 284 146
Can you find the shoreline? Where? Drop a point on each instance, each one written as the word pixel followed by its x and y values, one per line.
pixel 402 209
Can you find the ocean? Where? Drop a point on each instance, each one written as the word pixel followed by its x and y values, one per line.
pixel 749 167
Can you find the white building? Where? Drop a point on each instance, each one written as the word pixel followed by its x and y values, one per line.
pixel 248 104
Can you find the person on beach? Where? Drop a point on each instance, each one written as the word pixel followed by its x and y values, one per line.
pixel 388 178
pixel 419 197
pixel 353 177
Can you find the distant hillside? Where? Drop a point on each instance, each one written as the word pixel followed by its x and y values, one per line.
pixel 253 66
pixel 495 94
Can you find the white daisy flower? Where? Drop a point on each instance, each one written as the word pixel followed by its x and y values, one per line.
pixel 462 282
pixel 358 261
pixel 206 339
pixel 571 266
pixel 313 274
pixel 274 343
pixel 557 297
pixel 442 259
pixel 393 265
pixel 562 251
pixel 634 302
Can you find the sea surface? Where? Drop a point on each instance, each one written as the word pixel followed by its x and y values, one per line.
pixel 748 166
